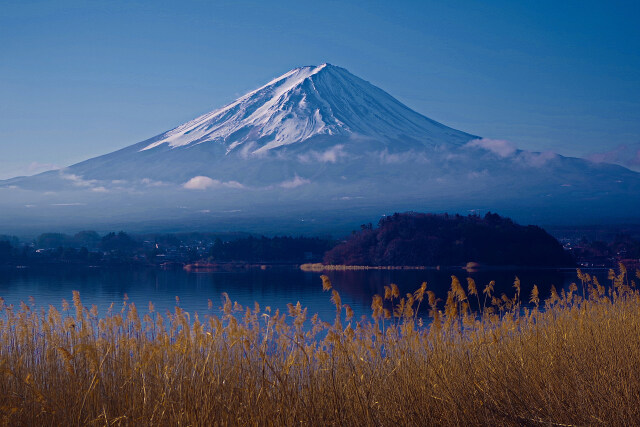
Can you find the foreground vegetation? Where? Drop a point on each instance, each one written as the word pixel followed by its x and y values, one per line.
pixel 573 359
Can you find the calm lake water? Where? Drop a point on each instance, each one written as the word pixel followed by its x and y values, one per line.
pixel 273 287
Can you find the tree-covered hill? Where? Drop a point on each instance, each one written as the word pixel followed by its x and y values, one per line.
pixel 416 239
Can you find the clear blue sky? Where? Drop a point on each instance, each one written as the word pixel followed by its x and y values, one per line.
pixel 83 78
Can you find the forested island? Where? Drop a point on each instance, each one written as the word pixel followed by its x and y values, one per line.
pixel 416 239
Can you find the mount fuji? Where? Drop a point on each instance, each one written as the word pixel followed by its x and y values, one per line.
pixel 314 149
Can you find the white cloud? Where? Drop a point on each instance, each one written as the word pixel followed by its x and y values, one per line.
pixel 536 159
pixel 201 183
pixel 232 184
pixel 77 180
pixel 152 183
pixel 393 158
pixel 497 146
pixel 295 182
pixel 506 149
pixel 249 149
pixel 332 155
pixel 205 183
pixel 627 155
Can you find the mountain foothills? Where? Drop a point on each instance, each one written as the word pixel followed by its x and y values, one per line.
pixel 316 149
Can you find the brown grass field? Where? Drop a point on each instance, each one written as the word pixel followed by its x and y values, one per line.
pixel 575 360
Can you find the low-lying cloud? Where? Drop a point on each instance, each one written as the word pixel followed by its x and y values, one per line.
pixel 627 155
pixel 505 149
pixel 205 183
pixel 332 155
pixel 388 158
pixel 536 160
pixel 78 180
pixel 152 183
pixel 295 182
pixel 497 146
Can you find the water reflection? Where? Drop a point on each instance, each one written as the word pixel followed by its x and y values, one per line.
pixel 272 287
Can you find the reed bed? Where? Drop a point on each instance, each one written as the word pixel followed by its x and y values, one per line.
pixel 572 359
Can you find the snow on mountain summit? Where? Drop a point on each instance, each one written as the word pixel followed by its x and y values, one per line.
pixel 303 103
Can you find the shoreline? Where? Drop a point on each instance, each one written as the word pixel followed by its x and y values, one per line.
pixel 319 267
pixel 470 268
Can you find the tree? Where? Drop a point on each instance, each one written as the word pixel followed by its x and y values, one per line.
pixel 6 250
pixel 121 242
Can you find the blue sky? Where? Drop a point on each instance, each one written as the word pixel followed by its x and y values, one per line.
pixel 83 78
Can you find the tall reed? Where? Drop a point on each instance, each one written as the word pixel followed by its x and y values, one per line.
pixel 572 359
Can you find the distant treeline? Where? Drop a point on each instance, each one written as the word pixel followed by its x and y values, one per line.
pixel 122 241
pixel 621 246
pixel 276 249
pixel 88 247
pixel 428 239
pixel 407 239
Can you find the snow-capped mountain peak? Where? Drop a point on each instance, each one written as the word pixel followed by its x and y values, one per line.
pixel 280 110
pixel 315 146
pixel 303 103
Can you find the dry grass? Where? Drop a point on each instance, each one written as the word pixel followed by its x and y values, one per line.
pixel 577 362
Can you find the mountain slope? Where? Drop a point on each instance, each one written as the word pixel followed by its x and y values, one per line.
pixel 312 146
pixel 301 104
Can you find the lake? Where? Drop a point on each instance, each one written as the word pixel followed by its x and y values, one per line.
pixel 273 287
